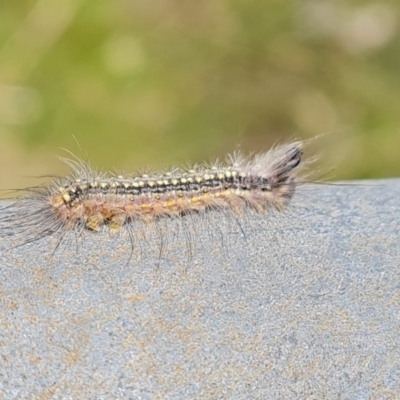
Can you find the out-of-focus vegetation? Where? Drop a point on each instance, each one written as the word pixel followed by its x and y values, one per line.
pixel 156 82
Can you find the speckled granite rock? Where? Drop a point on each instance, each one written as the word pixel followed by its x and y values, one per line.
pixel 306 306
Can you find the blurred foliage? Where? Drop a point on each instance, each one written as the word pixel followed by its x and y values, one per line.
pixel 165 81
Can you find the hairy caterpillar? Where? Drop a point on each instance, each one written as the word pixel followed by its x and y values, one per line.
pixel 88 200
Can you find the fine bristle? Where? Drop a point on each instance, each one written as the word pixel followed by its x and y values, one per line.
pixel 88 200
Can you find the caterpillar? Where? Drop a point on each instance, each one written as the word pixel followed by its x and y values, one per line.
pixel 88 200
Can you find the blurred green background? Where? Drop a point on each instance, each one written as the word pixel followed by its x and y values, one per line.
pixel 153 82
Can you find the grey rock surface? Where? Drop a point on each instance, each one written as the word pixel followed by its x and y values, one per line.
pixel 303 304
